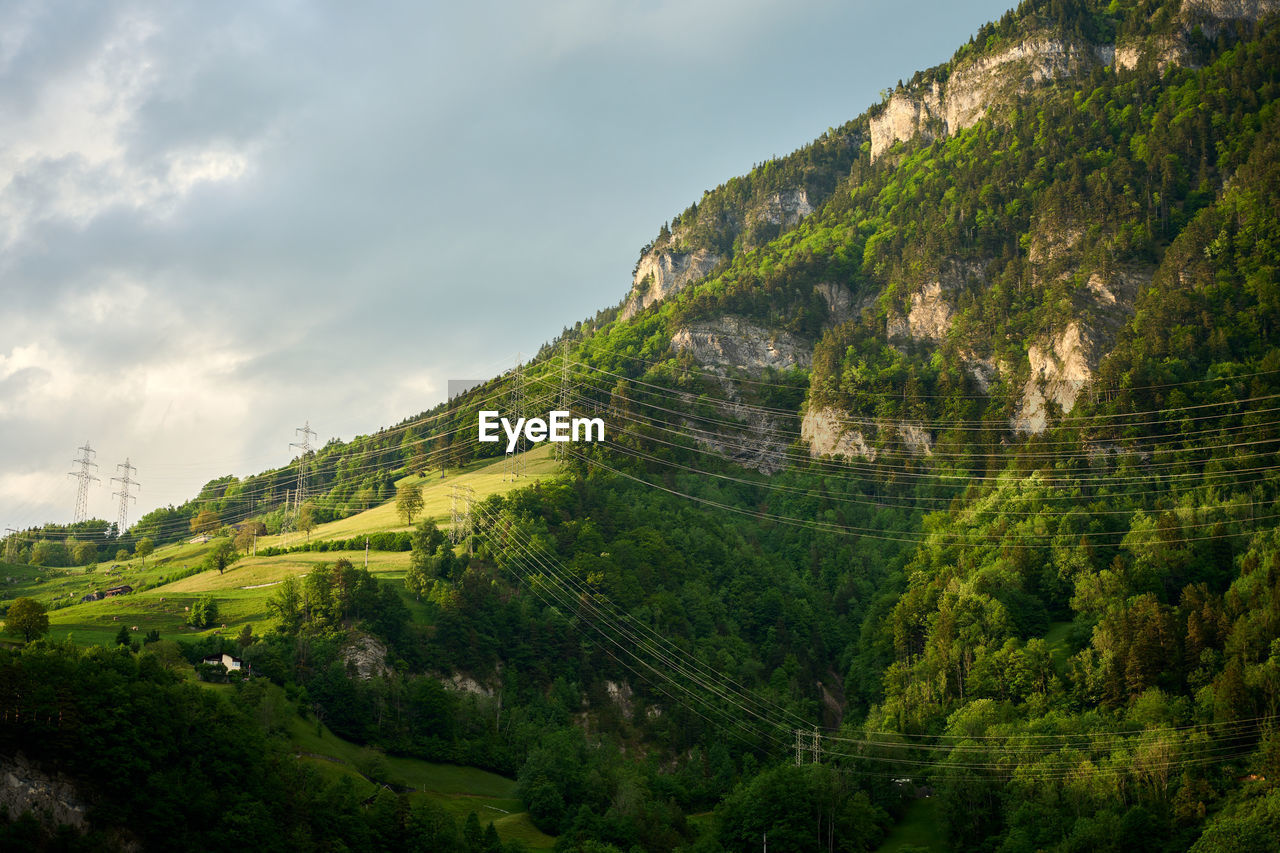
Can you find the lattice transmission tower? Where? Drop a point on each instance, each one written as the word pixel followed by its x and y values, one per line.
pixel 517 412
pixel 85 476
pixel 299 492
pixel 122 522
pixel 460 500
pixel 562 449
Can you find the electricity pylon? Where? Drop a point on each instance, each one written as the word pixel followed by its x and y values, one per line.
pixel 85 476
pixel 517 412
pixel 460 499
pixel 304 447
pixel 562 451
pixel 125 482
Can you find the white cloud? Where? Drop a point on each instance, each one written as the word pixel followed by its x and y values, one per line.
pixel 67 158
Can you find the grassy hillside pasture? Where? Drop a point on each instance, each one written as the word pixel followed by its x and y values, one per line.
pixel 486 478
pixel 170 581
pixel 461 790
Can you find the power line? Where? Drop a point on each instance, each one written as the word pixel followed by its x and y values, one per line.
pixel 1222 742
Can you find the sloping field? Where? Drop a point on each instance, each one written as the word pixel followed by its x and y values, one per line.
pixel 461 790
pixel 487 478
pixel 173 581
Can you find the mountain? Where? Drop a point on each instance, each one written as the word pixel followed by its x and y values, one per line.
pixel 939 459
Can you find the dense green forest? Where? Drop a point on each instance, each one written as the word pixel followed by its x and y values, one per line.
pixel 1065 631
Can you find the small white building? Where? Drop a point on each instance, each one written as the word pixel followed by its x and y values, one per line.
pixel 231 663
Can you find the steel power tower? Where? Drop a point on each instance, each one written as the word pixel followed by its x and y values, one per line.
pixel 460 499
pixel 562 452
pixel 125 482
pixel 808 743
pixel 517 411
pixel 304 447
pixel 85 476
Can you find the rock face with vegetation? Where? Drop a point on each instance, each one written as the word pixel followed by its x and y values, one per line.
pixel 948 434
pixel 995 79
pixel 665 273
pixel 27 788
pixel 735 343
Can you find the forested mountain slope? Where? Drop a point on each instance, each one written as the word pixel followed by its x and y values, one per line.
pixel 941 454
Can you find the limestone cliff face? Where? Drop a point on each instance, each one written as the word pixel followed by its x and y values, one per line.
pixel 734 342
pixel 928 319
pixel 930 310
pixel 1060 369
pixel 1228 10
pixel 829 433
pixel 840 301
pixel 52 799
pixel 663 273
pixel 785 208
pixel 731 344
pixel 365 657
pixel 667 268
pixel 906 116
pixel 976 85
pixel 942 109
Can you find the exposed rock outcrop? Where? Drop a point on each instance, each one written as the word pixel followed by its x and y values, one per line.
pixel 1059 371
pixel 464 683
pixel 663 273
pixel 1228 10
pixel 942 109
pixel 915 438
pixel 976 85
pixel 53 799
pixel 906 116
pixel 734 342
pixel 841 305
pixel 366 657
pixel 928 319
pixel 1164 51
pixel 829 433
pixel 460 683
pixel 760 442
pixel 984 371
pixel 786 207
pixel 620 694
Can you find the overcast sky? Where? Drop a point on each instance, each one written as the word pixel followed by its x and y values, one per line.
pixel 220 220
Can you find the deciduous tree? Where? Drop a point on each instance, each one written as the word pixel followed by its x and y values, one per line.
pixel 204 612
pixel 221 556
pixel 206 521
pixel 409 501
pixel 27 617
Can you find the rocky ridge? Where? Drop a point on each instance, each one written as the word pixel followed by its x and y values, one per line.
pixel 939 109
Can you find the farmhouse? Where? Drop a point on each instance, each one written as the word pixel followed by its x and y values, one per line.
pixel 117 590
pixel 232 664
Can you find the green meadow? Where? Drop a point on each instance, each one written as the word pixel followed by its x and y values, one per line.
pixel 170 581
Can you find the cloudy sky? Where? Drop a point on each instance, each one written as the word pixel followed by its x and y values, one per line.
pixel 220 220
